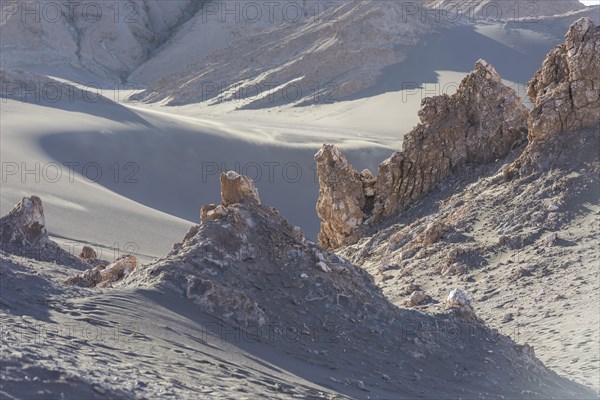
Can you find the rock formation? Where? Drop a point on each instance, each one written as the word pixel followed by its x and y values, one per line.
pixel 566 90
pixel 104 276
pixel 25 225
pixel 23 232
pixel 517 227
pixel 248 267
pixel 88 254
pixel 236 188
pixel 566 97
pixel 479 124
pixel 241 245
pixel 343 200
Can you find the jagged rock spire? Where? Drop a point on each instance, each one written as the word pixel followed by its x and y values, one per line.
pixel 23 233
pixel 478 124
pixel 236 188
pixel 342 198
pixel 566 96
pixel 566 90
pixel 25 225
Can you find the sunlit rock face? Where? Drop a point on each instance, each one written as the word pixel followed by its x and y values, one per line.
pixel 480 123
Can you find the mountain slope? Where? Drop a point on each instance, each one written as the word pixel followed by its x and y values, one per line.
pixel 338 53
pixel 491 10
pixel 246 306
pixel 105 40
pixel 519 233
pixel 352 50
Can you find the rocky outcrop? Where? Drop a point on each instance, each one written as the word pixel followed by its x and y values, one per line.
pixel 25 225
pixel 479 124
pixel 23 232
pixel 343 197
pixel 566 90
pixel 566 96
pixel 88 254
pixel 248 267
pixel 227 264
pixel 101 276
pixel 236 188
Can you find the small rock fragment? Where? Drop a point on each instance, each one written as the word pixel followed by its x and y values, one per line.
pixel 417 297
pixel 323 267
pixel 507 318
pixel 88 254
pixel 551 239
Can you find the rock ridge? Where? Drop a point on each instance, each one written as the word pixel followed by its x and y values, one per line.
pixel 480 123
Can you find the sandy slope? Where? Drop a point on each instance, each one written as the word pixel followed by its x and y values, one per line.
pixel 82 210
pixel 170 159
pixel 495 247
pixel 59 340
pixel 294 62
pixel 337 338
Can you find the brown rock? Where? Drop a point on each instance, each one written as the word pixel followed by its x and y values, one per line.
pixel 88 253
pixel 566 97
pixel 478 124
pixel 118 269
pixel 566 90
pixel 213 212
pixel 89 278
pixel 342 199
pixel 101 276
pixel 236 188
pixel 433 233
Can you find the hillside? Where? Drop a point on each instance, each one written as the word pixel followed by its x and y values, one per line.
pixel 355 49
pixel 98 42
pixel 517 232
pixel 168 229
pixel 247 295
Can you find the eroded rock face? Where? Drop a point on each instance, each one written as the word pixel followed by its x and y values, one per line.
pixel 88 254
pixel 23 232
pixel 566 90
pixel 478 124
pixel 25 225
pixel 236 188
pixel 566 95
pixel 343 196
pixel 101 276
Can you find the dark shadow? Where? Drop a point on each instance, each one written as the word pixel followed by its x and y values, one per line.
pixel 84 102
pixel 458 49
pixel 18 298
